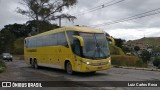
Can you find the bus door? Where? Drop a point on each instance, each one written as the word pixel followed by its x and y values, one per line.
pixel 76 48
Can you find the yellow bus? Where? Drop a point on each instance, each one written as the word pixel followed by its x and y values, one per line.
pixel 74 49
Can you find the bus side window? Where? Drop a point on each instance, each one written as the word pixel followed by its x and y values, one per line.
pixel 53 39
pixel 25 43
pixel 62 39
pixel 70 36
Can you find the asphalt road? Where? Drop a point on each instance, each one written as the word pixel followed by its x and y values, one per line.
pixel 18 70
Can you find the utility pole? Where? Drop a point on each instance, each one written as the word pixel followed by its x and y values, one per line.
pixel 60 21
pixel 37 24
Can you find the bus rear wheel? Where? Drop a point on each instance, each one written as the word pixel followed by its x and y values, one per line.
pixel 32 63
pixel 35 65
pixel 68 68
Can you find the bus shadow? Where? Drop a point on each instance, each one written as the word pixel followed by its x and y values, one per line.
pixel 76 74
pixel 97 74
pixel 55 70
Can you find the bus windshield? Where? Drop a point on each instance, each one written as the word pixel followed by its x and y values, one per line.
pixel 95 46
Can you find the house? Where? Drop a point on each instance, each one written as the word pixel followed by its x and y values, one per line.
pixel 141 45
pixel 156 54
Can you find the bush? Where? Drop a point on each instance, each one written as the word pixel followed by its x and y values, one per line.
pixel 122 60
pixel 2 66
pixel 146 56
pixel 114 50
pixel 126 49
pixel 156 62
pixel 140 63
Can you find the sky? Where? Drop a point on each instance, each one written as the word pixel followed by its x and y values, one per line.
pixel 130 30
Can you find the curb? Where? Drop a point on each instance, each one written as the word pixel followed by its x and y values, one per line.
pixel 135 68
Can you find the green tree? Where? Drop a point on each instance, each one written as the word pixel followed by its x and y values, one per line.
pixel 19 30
pixel 47 10
pixel 156 62
pixel 146 56
pixel 43 26
pixel 2 46
pixel 19 46
pixel 7 41
pixel 119 42
pixel 126 49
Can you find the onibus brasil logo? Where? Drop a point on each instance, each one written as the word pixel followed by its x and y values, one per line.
pixel 20 84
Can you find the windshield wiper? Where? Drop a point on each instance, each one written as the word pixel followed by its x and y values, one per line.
pixel 96 48
pixel 94 52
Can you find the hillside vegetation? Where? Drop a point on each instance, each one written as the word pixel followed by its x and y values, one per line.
pixel 119 58
pixel 151 41
pixel 114 50
pixel 18 46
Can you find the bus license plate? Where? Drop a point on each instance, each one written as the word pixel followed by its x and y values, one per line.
pixel 99 67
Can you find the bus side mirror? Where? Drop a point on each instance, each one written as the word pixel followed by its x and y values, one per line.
pixel 80 39
pixel 112 40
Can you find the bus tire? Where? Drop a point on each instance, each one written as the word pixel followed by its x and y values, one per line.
pixel 35 64
pixel 68 68
pixel 32 63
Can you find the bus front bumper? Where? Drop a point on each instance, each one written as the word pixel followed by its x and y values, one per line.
pixel 92 68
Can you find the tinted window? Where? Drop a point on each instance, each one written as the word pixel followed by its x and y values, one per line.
pixel 45 41
pixel 52 40
pixel 62 39
pixel 76 47
pixel 49 40
pixel 70 36
pixel 39 41
pixel 30 43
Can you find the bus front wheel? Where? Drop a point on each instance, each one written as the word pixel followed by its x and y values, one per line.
pixel 69 68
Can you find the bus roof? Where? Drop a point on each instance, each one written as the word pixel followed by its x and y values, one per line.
pixel 74 28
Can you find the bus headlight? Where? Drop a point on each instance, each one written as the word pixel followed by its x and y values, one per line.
pixel 109 61
pixel 87 62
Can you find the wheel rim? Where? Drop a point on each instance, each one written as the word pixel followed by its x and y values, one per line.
pixel 69 68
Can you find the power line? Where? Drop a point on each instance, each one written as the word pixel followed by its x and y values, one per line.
pixel 137 16
pixel 113 2
pixel 96 7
